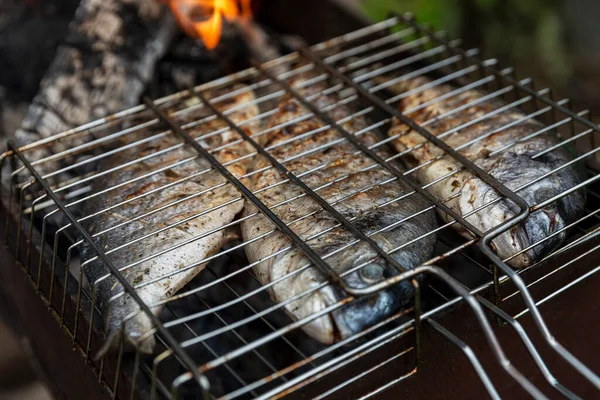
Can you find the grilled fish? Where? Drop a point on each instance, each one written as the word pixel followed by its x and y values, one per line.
pixel 366 194
pixel 164 221
pixel 515 150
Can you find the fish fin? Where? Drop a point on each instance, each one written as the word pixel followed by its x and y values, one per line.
pixel 112 344
pixel 231 233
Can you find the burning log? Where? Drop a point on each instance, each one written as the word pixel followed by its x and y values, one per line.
pixel 204 18
pixel 208 20
pixel 111 50
pixel 108 56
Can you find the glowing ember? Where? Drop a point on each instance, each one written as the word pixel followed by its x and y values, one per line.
pixel 204 18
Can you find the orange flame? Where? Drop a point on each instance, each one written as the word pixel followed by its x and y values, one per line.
pixel 192 17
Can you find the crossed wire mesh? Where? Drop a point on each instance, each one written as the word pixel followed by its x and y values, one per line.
pixel 222 335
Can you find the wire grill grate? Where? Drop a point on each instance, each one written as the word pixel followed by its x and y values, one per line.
pixel 222 335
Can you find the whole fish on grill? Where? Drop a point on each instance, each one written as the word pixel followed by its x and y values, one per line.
pixel 361 191
pixel 514 149
pixel 164 221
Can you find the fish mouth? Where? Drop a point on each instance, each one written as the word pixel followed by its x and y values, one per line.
pixel 366 311
pixel 324 328
pixel 353 317
pixel 330 328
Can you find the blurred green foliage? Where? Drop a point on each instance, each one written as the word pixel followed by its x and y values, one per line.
pixel 529 34
pixel 443 14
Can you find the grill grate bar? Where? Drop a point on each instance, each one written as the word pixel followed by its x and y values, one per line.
pixel 366 373
pixel 231 371
pixel 331 366
pixel 483 376
pixel 268 324
pixel 317 356
pixel 364 67
pixel 484 244
pixel 322 265
pixel 322 202
pixel 175 349
pixel 392 38
pixel 578 242
pixel 484 176
pixel 567 286
pixel 253 310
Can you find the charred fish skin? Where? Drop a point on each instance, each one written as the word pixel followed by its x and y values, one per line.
pixel 164 230
pixel 516 150
pixel 370 197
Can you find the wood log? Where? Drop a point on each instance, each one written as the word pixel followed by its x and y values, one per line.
pixel 107 58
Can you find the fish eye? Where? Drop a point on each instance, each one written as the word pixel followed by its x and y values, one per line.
pixel 372 273
pixel 543 194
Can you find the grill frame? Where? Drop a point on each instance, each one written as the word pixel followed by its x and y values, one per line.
pixel 20 154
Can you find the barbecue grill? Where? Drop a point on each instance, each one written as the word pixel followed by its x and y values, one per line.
pixel 222 337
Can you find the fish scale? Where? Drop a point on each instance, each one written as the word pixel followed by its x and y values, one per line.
pixel 494 140
pixel 356 197
pixel 170 240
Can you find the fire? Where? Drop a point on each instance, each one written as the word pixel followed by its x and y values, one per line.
pixel 192 17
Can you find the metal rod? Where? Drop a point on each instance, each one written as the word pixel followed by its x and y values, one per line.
pixel 292 177
pixel 530 348
pixel 480 173
pixel 187 361
pixel 365 150
pixel 483 376
pixel 312 256
pixel 484 244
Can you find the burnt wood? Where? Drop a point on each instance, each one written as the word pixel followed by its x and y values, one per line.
pixel 108 56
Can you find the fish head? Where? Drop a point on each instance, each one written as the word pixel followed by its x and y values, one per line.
pixel 366 311
pixel 532 180
pixel 360 266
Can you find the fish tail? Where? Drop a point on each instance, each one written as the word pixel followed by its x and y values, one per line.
pixel 113 341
